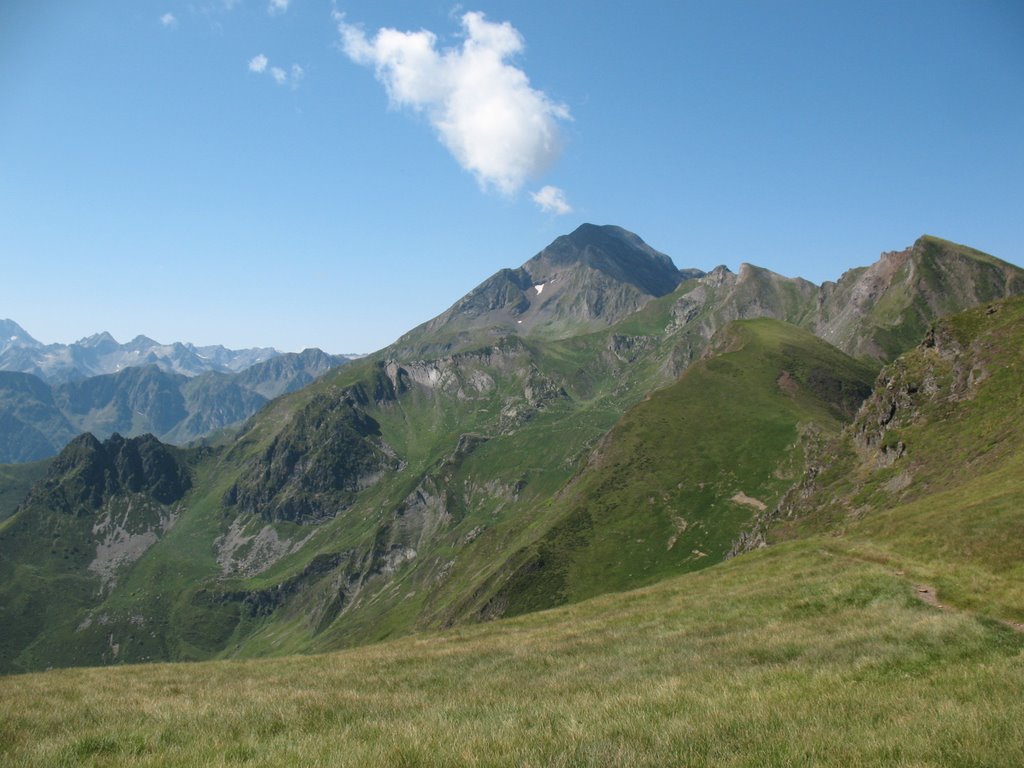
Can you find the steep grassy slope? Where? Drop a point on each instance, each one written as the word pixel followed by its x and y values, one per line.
pixel 788 656
pixel 931 474
pixel 681 473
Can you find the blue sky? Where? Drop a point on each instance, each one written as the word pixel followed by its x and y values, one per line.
pixel 262 172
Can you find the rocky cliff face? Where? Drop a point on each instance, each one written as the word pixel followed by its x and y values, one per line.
pixel 87 473
pixel 912 431
pixel 315 466
pixel 885 309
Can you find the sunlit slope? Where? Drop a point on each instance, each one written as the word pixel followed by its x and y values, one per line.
pixel 931 474
pixel 789 656
pixel 683 472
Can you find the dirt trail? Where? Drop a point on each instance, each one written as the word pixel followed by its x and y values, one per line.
pixel 923 592
pixel 927 594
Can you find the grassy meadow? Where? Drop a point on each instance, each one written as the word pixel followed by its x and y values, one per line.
pixel 795 655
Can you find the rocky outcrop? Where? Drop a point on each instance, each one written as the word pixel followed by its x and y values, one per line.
pixel 313 468
pixel 923 386
pixel 87 473
pixel 885 309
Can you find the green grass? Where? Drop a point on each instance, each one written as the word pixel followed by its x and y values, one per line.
pixel 786 657
pixel 950 511
pixel 659 496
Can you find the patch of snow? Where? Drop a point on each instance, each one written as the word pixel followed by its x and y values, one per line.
pixel 540 288
pixel 14 338
pixel 519 321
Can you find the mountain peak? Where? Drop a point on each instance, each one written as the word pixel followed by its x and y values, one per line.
pixel 98 340
pixel 88 471
pixel 142 342
pixel 617 252
pixel 13 335
pixel 588 279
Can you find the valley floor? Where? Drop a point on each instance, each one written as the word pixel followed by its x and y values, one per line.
pixel 794 655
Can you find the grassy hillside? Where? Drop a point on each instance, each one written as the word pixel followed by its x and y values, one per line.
pixel 931 474
pixel 790 656
pixel 684 471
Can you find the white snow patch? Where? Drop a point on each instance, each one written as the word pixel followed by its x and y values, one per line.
pixel 14 338
pixel 540 288
pixel 519 321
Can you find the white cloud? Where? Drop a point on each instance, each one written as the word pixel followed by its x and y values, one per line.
pixel 552 200
pixel 277 6
pixel 293 76
pixel 258 63
pixel 486 113
pixel 169 20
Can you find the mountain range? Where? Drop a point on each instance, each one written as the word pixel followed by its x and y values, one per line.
pixel 101 354
pixel 594 421
pixel 146 394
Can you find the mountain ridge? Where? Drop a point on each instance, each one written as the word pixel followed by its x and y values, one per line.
pixel 38 419
pixel 464 445
pixel 101 354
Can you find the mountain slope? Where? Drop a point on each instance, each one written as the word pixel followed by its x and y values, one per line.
pixel 98 509
pixel 885 309
pixel 410 489
pixel 32 425
pixel 682 472
pixel 930 475
pixel 790 656
pixel 38 420
pixel 583 281
pixel 16 480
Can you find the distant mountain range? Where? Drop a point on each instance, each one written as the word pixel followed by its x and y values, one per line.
pixel 178 392
pixel 101 354
pixel 592 421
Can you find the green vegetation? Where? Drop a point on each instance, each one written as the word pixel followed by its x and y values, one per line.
pixel 931 475
pixel 684 472
pixel 884 626
pixel 482 468
pixel 789 656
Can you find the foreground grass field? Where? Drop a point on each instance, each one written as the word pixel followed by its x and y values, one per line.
pixel 796 655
